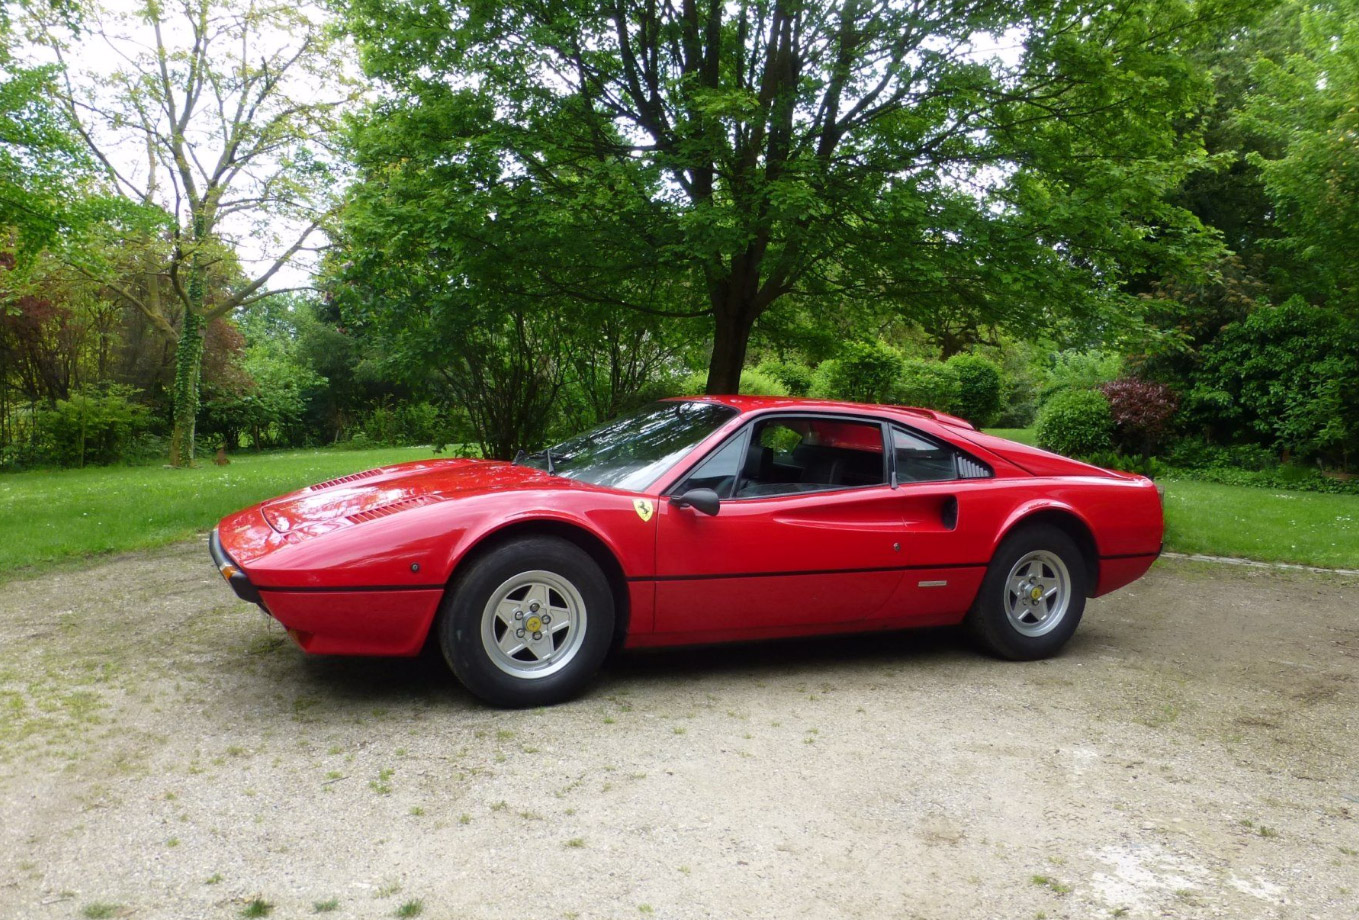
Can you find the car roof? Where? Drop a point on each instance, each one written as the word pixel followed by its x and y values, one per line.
pixel 748 404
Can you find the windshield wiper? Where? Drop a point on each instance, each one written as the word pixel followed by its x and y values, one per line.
pixel 540 454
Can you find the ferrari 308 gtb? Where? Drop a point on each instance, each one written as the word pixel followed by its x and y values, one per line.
pixel 697 520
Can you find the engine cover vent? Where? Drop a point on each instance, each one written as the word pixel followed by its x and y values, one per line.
pixel 342 480
pixel 405 504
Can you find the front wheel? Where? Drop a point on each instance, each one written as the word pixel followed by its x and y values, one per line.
pixel 1032 597
pixel 529 623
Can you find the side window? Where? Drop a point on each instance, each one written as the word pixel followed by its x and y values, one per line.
pixel 919 459
pixel 719 471
pixel 790 454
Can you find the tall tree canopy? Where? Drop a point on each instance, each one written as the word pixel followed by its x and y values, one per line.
pixel 717 158
pixel 233 103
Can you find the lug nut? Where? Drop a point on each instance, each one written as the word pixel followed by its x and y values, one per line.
pixel 519 633
pixel 537 636
pixel 519 614
pixel 533 607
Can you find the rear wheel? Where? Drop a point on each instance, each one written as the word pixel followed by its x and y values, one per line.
pixel 1032 597
pixel 529 623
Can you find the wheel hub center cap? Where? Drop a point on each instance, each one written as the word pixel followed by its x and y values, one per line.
pixel 533 624
pixel 1036 592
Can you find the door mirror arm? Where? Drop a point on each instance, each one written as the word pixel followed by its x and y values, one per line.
pixel 704 501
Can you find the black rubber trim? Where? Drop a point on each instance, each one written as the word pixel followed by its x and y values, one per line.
pixel 239 582
pixel 1131 555
pixel 890 568
pixel 311 589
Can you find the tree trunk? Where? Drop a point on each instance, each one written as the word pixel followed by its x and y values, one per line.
pixel 731 336
pixel 188 362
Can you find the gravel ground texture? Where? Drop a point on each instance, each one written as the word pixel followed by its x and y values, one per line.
pixel 165 752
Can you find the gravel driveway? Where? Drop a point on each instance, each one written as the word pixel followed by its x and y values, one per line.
pixel 165 753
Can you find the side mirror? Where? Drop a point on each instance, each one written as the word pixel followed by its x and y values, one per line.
pixel 701 500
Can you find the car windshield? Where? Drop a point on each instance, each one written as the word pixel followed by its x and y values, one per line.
pixel 630 452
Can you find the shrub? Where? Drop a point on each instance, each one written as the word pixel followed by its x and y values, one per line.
pixel 863 372
pixel 753 383
pixel 979 388
pixel 1076 423
pixel 929 385
pixel 1081 370
pixel 407 424
pixel 1142 412
pixel 91 427
pixel 1197 454
pixel 1284 377
pixel 796 378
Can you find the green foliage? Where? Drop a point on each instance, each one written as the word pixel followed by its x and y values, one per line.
pixel 1305 105
pixel 90 428
pixel 1285 378
pixel 1076 423
pixel 1082 370
pixel 1274 476
pixel 796 378
pixel 410 424
pixel 929 385
pixel 754 382
pixel 979 388
pixel 867 372
pixel 728 163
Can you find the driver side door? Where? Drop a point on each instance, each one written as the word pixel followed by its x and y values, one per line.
pixel 808 533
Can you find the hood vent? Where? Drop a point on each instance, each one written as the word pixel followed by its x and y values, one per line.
pixel 342 480
pixel 405 504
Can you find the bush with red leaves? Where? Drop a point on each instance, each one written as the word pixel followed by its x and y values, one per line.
pixel 1142 412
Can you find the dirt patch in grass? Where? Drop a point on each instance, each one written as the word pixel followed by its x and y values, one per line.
pixel 165 750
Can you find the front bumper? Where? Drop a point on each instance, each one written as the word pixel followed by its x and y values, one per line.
pixel 238 580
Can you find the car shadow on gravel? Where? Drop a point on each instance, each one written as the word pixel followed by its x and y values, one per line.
pixel 805 658
pixel 425 680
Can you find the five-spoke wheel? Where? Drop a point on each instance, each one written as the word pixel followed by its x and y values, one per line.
pixel 533 624
pixel 1033 595
pixel 528 622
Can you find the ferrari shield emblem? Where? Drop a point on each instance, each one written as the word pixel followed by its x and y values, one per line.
pixel 644 508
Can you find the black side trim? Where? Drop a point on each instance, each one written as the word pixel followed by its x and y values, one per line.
pixel 309 589
pixel 890 568
pixel 239 582
pixel 1132 555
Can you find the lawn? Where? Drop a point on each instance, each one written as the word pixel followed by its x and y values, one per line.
pixel 50 516
pixel 1022 435
pixel 1266 524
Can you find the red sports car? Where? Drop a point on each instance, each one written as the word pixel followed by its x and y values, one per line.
pixel 694 520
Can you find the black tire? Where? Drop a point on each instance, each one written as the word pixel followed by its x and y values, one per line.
pixel 1020 625
pixel 472 634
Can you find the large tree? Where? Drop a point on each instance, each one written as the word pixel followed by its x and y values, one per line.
pixel 231 104
pixel 1304 101
pixel 734 154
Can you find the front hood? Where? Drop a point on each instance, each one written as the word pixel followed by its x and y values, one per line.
pixel 377 493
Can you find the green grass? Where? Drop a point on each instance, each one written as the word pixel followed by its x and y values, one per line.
pixel 1022 435
pixel 1270 525
pixel 49 517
